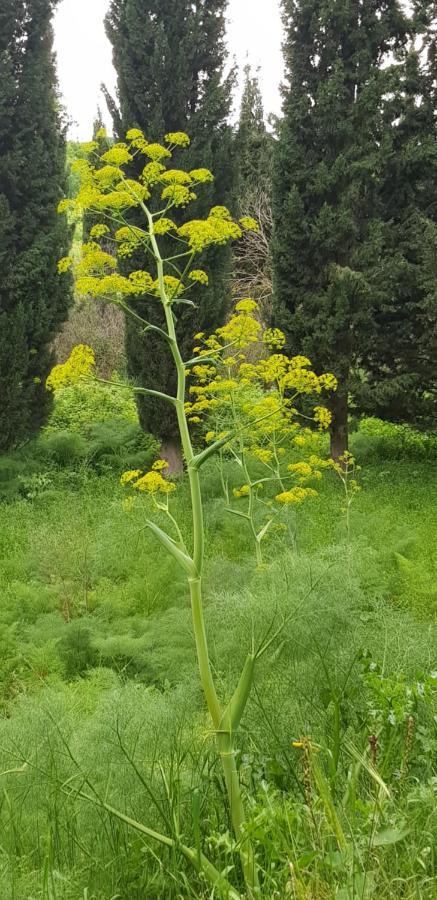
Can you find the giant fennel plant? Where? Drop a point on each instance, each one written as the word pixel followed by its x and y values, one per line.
pixel 233 396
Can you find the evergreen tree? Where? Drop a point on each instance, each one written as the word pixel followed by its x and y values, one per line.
pixel 254 144
pixel 33 299
pixel 254 150
pixel 170 57
pixel 331 229
pixel 400 363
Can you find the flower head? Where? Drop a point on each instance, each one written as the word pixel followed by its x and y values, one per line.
pixel 80 363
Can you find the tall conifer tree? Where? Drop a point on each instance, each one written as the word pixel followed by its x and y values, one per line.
pixel 400 365
pixel 254 144
pixel 170 57
pixel 33 299
pixel 333 273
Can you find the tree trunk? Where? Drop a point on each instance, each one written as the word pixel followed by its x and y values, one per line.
pixel 171 451
pixel 339 425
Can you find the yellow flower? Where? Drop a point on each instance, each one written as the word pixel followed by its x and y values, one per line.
pixel 155 152
pixel 176 176
pixel 163 226
pixel 95 261
pixel 274 338
pixel 101 134
pixel 178 194
pixel 209 436
pixel 159 465
pixel 107 175
pixel 179 138
pixel 322 416
pixel 66 205
pixel 65 264
pixel 216 229
pixel 118 155
pixel 247 305
pixel 295 495
pixel 243 491
pixel 129 233
pixel 301 468
pixel 134 134
pixel 198 275
pixel 89 146
pixel 154 483
pixel 116 284
pixel 87 286
pixel 249 224
pixel 202 176
pixel 141 281
pixel 172 285
pixel 130 476
pixel 80 363
pixel 264 455
pixel 152 172
pixel 328 381
pixel 99 231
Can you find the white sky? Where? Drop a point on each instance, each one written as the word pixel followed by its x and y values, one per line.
pixel 84 54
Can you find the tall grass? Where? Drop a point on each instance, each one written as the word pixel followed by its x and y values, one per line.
pixel 97 686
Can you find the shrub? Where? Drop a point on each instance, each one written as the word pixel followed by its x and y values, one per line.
pixel 78 407
pixel 63 448
pixel 120 444
pixel 381 440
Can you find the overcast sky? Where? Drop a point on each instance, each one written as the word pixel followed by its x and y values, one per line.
pixel 84 53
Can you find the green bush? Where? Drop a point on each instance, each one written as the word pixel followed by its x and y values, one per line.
pixel 117 444
pixel 63 448
pixel 384 440
pixel 80 406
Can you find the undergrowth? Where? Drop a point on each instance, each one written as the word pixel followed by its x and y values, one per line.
pixel 99 693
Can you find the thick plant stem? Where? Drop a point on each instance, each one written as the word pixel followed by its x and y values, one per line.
pixel 224 735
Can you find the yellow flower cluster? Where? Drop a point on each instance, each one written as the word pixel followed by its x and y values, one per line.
pixel 95 261
pixel 80 363
pixel 99 231
pixel 151 482
pixel 201 176
pixel 65 264
pixel 295 495
pixel 178 195
pixel 216 229
pixel 178 138
pixel 117 156
pixel 163 226
pixel 274 338
pixel 243 491
pixel 198 275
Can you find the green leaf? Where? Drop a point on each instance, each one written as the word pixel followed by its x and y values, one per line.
pixel 184 561
pixel 389 836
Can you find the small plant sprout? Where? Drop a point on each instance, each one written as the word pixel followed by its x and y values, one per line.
pixel 347 469
pixel 254 400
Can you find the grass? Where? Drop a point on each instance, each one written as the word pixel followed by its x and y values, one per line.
pixel 99 693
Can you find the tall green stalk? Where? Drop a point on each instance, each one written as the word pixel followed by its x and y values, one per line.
pixel 223 724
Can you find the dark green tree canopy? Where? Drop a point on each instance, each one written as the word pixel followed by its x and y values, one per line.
pixel 170 58
pixel 33 299
pixel 334 272
pixel 254 144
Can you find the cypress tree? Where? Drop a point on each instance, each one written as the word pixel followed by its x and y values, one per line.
pixel 33 299
pixel 330 228
pixel 254 149
pixel 170 57
pixel 254 144
pixel 400 363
